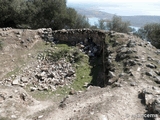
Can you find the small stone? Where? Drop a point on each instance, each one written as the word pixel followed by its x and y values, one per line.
pixel 133 84
pixel 41 116
pixel 131 43
pixel 150 73
pixel 45 69
pixel 122 74
pixel 111 81
pixel 43 74
pixel 45 88
pixel 23 96
pixel 150 65
pixel 33 88
pixel 156 106
pixel 157 79
pixel 111 74
pixel 16 81
pixel 117 84
pixel 13 116
pixel 2 98
pixel 62 105
pixel 138 69
pixel 24 79
pixel 157 72
pixel 72 92
pixel 70 72
pixel 132 62
pixel 85 84
pixel 29 54
pixel 16 91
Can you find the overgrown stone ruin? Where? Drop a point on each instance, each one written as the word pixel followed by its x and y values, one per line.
pixel 119 58
pixel 91 42
pixel 74 36
pixel 125 61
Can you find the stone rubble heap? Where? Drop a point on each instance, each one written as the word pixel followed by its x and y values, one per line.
pixel 91 49
pixel 151 96
pixel 45 76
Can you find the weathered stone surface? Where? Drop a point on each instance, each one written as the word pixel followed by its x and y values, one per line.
pixel 158 52
pixel 133 84
pixel 111 81
pixel 72 92
pixel 157 72
pixel 150 73
pixel 150 65
pixel 24 79
pixel 70 72
pixel 156 106
pixel 33 88
pixel 16 81
pixel 131 43
pixel 152 99
pixel 157 79
pixel 111 74
pixel 2 98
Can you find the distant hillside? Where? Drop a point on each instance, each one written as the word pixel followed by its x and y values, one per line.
pixel 137 21
pixel 94 13
pixel 141 20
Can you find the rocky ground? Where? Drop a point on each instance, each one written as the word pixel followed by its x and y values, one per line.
pixel 34 88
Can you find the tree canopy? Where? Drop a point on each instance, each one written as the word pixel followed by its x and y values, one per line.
pixel 40 13
pixel 116 24
pixel 150 32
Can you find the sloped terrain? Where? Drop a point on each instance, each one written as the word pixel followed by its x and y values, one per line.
pixel 62 82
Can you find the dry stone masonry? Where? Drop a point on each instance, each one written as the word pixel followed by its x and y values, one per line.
pixel 73 35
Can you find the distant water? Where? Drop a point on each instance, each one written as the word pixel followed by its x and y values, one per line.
pixel 136 28
pixel 93 20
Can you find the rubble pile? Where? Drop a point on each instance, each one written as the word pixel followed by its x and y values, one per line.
pixel 89 48
pixel 45 75
pixel 151 96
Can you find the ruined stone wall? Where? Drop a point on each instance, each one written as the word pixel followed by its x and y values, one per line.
pixel 91 42
pixel 80 35
pixel 74 35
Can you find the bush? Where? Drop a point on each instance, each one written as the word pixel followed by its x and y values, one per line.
pixel 116 24
pixel 151 33
pixel 40 13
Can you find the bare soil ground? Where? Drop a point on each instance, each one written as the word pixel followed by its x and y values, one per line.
pixel 20 48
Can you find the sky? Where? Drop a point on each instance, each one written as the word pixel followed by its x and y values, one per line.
pixel 122 7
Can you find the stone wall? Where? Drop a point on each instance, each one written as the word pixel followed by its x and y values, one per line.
pixel 91 42
pixel 74 35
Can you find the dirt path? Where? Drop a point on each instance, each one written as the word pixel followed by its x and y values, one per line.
pixel 95 104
